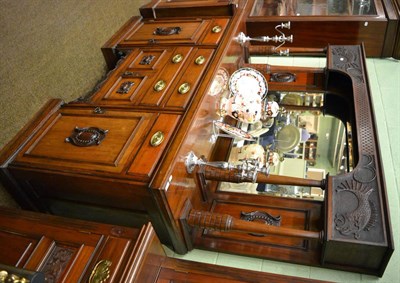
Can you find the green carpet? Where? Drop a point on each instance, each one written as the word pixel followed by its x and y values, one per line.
pixel 51 49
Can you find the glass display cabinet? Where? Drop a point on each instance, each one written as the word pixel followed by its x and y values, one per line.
pixel 317 23
pixel 218 153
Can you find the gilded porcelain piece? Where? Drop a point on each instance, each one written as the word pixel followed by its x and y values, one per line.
pixel 246 109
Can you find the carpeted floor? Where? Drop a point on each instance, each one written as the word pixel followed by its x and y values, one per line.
pixel 51 49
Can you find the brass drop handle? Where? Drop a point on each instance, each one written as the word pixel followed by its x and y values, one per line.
pixel 217 29
pixel 160 85
pixel 177 58
pixel 200 60
pixel 157 139
pixel 184 88
pixel 100 272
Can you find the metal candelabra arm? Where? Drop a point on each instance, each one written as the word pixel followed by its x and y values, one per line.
pixel 282 38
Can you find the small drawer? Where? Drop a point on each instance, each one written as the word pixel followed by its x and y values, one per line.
pixel 149 59
pixel 191 76
pixel 154 94
pixel 153 147
pixel 143 78
pixel 215 31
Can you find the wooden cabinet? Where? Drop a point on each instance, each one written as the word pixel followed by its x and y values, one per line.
pixel 144 147
pixel 65 250
pixel 373 23
pixel 206 32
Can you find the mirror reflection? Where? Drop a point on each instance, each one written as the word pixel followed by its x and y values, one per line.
pixel 294 139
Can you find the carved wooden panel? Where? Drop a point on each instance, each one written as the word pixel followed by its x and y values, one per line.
pixel 357 205
pixel 357 197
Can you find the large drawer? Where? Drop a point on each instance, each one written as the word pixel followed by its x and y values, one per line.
pixel 97 142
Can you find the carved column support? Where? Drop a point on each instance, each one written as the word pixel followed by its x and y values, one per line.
pixel 224 222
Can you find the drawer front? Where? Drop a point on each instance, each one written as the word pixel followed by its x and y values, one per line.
pixel 137 72
pixel 166 32
pixel 302 218
pixel 153 147
pixel 215 31
pixel 80 140
pixel 189 79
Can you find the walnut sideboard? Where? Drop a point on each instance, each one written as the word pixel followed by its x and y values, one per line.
pixel 144 146
pixel 55 249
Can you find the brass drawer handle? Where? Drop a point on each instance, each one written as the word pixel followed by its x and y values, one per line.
pixel 100 272
pixel 160 85
pixel 200 60
pixel 177 58
pixel 217 29
pixel 184 88
pixel 157 139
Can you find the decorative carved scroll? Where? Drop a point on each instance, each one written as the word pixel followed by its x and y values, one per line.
pixel 167 30
pixel 146 60
pixel 363 217
pixel 261 215
pixel 347 59
pixel 86 136
pixel 56 263
pixel 125 87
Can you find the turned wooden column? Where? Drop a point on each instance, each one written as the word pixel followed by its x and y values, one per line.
pixel 234 175
pixel 265 50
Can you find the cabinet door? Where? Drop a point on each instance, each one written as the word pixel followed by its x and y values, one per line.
pixel 80 140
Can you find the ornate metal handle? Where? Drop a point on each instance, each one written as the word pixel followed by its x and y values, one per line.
pixel 167 30
pixel 125 87
pixel 100 272
pixel 157 139
pixel 86 136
